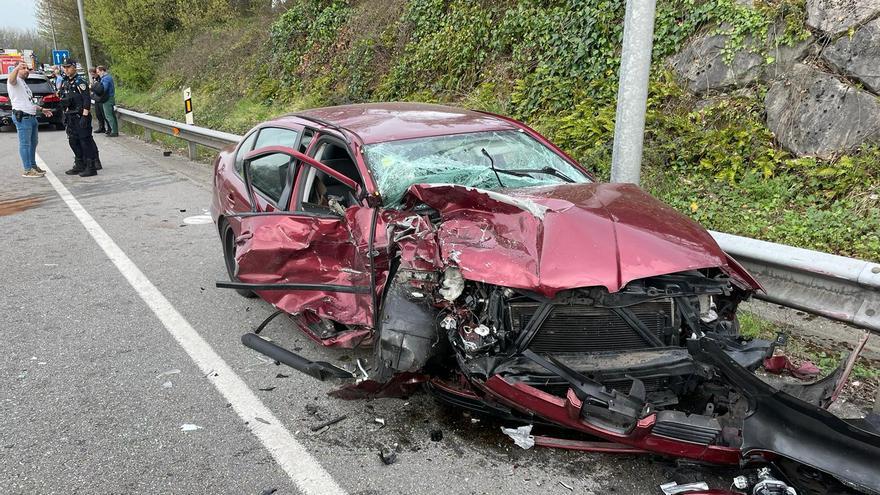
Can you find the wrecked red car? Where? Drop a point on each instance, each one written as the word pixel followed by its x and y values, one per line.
pixel 483 263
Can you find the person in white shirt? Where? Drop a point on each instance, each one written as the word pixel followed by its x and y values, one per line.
pixel 24 116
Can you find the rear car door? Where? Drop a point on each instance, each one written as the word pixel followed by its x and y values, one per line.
pixel 301 260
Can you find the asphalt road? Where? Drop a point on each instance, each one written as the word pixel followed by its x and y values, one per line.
pixel 95 387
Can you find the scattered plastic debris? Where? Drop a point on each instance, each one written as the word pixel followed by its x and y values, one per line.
pixel 189 427
pixel 436 435
pixel 566 485
pixel 380 421
pixel 268 491
pixel 521 436
pixel 362 370
pixel 282 375
pixel 777 364
pixel 267 389
pixel 198 220
pixel 261 420
pixel 167 373
pixel 319 431
pixel 388 455
pixel 328 424
pixel 167 385
pixel 673 488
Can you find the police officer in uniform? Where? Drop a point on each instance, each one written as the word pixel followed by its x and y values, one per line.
pixel 76 104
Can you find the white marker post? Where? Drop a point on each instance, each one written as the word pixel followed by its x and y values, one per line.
pixel 188 111
pixel 188 105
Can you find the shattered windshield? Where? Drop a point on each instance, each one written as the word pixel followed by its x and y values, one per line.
pixel 466 159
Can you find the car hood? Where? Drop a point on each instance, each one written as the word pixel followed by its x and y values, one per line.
pixel 548 239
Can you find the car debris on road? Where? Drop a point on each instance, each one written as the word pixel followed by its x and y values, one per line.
pixel 488 267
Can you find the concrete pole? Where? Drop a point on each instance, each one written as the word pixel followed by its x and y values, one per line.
pixel 85 35
pixel 632 93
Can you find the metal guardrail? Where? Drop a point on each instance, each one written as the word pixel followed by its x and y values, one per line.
pixel 836 287
pixel 193 135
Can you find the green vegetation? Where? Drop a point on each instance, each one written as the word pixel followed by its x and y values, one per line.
pixel 551 63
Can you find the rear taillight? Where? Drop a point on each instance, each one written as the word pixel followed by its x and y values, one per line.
pixel 4 99
pixel 51 99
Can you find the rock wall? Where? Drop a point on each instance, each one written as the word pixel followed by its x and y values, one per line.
pixel 823 92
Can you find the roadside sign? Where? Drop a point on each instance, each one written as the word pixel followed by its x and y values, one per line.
pixel 188 105
pixel 58 56
pixel 8 63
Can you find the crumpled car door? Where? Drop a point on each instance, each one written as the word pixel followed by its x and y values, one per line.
pixel 303 261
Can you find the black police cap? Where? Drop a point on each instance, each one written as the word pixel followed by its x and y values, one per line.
pixel 68 62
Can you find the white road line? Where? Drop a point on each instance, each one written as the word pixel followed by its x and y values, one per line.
pixel 303 469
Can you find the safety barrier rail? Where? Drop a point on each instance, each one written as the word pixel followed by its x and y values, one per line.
pixel 836 287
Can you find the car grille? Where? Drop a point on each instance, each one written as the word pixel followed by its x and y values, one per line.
pixel 584 328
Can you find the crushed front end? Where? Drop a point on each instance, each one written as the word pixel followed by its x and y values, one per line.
pixel 657 366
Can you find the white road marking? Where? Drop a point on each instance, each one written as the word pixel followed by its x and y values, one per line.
pixel 303 469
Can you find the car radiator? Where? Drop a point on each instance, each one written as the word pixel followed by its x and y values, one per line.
pixel 586 329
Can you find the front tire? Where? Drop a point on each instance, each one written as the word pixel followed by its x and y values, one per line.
pixel 229 260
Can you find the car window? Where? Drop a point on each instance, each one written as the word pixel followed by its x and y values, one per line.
pixel 269 175
pixel 245 147
pixel 467 159
pixel 320 190
pixel 38 85
pixel 274 136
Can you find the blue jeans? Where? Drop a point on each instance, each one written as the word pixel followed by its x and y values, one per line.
pixel 27 140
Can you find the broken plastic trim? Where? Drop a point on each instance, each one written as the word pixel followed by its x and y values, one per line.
pixel 316 369
pixel 350 289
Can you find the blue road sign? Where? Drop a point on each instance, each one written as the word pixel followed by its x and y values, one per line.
pixel 58 56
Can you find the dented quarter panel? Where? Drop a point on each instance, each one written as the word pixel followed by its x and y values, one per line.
pixel 548 239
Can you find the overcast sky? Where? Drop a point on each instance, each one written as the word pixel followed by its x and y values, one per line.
pixel 18 14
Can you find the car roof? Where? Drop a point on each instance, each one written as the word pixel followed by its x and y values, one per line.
pixel 382 122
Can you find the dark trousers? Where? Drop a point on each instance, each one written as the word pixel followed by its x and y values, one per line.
pixel 80 138
pixel 99 116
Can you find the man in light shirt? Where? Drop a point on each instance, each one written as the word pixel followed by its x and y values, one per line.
pixel 24 116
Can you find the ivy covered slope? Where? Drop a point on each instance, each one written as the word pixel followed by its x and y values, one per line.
pixel 709 151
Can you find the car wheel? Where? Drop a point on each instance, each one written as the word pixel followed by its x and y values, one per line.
pixel 229 259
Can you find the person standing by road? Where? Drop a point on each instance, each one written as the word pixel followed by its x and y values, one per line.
pixel 98 98
pixel 76 103
pixel 59 78
pixel 110 101
pixel 24 116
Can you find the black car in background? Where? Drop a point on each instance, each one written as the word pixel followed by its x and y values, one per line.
pixel 44 95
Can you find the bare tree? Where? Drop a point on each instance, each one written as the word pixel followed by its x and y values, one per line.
pixel 27 39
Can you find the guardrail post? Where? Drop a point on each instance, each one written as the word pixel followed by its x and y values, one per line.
pixel 191 150
pixel 148 135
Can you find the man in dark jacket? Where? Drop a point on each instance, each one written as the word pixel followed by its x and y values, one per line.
pixel 76 103
pixel 110 100
pixel 98 99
